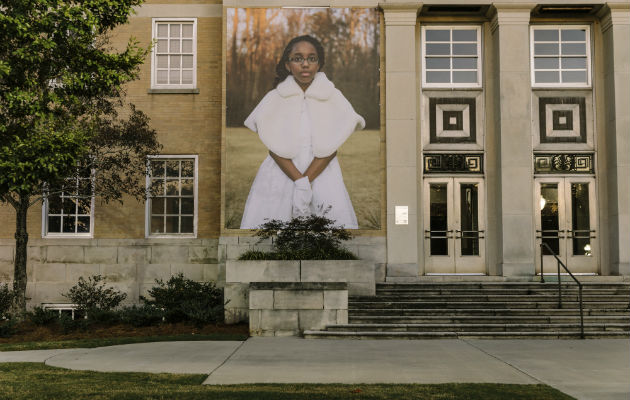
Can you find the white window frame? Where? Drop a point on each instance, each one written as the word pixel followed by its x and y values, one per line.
pixel 423 56
pixel 154 84
pixel 147 203
pixel 61 235
pixel 588 83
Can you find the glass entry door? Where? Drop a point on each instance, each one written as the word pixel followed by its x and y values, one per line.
pixel 454 226
pixel 567 223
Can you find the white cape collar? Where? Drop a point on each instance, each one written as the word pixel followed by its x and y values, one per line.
pixel 320 89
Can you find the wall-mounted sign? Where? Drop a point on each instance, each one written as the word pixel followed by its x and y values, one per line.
pixel 402 215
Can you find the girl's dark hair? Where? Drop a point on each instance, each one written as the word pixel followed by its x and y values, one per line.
pixel 281 70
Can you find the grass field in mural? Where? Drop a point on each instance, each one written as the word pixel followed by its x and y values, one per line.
pixel 360 164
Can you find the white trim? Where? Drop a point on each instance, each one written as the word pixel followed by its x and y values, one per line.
pixel 479 57
pixel 67 235
pixel 147 205
pixel 569 85
pixel 154 84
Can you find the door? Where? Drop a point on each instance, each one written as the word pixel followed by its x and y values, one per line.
pixel 566 221
pixel 454 226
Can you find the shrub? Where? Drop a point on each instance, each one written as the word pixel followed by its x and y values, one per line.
pixel 144 315
pixel 41 317
pixel 6 300
pixel 183 299
pixel 7 327
pixel 303 238
pixel 92 294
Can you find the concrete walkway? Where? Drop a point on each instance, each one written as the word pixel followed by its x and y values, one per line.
pixel 585 369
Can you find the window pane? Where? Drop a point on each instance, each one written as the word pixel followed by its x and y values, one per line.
pixel 187 30
pixel 547 77
pixel 187 77
pixel 172 205
pixel 546 63
pixel 438 77
pixel 174 30
pixel 187 187
pixel 157 224
pixel 438 63
pixel 438 49
pixel 573 35
pixel 188 168
pixel 174 46
pixel 574 63
pixel 162 77
pixel 157 168
pixel 162 61
pixel 54 224
pixel 549 222
pixel 84 205
pixel 175 61
pixel 546 49
pixel 580 219
pixel 188 206
pixel 54 205
pixel 162 30
pixel 465 49
pixel 465 35
pixel 172 225
pixel 465 63
pixel 469 220
pixel 438 35
pixel 157 205
pixel 574 49
pixel 187 46
pixel 157 187
pixel 162 46
pixel 546 35
pixel 69 206
pixel 574 76
pixel 172 188
pixel 464 76
pixel 173 77
pixel 187 61
pixel 83 225
pixel 438 219
pixel 172 169
pixel 68 224
pixel 187 225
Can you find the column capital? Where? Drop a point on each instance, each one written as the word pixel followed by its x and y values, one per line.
pixel 614 14
pixel 509 14
pixel 402 13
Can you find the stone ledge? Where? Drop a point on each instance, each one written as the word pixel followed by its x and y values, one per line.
pixel 298 286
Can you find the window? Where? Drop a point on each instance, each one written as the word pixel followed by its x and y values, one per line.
pixel 172 205
pixel 451 56
pixel 174 54
pixel 560 56
pixel 69 211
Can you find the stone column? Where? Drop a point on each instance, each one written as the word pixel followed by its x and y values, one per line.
pixel 512 98
pixel 400 132
pixel 615 25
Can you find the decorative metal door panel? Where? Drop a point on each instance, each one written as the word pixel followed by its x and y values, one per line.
pixel 454 226
pixel 566 221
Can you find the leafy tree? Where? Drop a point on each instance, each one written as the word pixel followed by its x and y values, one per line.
pixel 62 108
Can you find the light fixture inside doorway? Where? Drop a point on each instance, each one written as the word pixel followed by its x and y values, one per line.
pixel 543 202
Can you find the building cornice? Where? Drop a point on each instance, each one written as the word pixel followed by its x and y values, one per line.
pixel 510 14
pixel 400 14
pixel 614 14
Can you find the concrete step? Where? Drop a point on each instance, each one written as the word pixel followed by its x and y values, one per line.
pixel 487 311
pixel 501 285
pixel 494 292
pixel 312 334
pixel 480 319
pixel 480 304
pixel 491 298
pixel 485 327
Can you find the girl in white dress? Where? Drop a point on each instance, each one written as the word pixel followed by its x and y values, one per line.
pixel 303 121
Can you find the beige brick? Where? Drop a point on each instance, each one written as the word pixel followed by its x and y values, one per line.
pixel 6 271
pixel 212 272
pixel 262 271
pixel 202 255
pixel 65 254
pixel 342 316
pixel 101 255
pixel 278 320
pixel 50 272
pixel 190 271
pixel 148 273
pixel 169 254
pixel 119 272
pixel 6 253
pixel 75 271
pixel 35 253
pixel 236 295
pixel 336 299
pixel 260 299
pixel 49 292
pixel 298 300
pixel 133 255
pixel 254 323
pixel 316 319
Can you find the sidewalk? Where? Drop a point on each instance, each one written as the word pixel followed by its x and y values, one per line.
pixel 585 369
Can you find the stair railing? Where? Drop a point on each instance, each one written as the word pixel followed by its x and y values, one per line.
pixel 542 280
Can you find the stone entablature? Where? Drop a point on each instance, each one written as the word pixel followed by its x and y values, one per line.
pixel 290 308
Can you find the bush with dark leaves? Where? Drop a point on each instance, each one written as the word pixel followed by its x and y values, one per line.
pixel 143 315
pixel 42 317
pixel 6 300
pixel 93 294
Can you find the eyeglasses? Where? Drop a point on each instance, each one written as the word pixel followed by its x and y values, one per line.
pixel 300 59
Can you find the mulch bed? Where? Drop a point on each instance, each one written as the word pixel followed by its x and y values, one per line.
pixel 28 332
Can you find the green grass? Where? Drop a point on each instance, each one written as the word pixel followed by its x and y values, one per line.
pixel 112 341
pixel 31 381
pixel 360 164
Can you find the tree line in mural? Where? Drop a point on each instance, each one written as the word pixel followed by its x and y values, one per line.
pixel 257 36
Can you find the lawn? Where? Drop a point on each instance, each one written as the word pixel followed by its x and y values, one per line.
pixel 360 164
pixel 32 381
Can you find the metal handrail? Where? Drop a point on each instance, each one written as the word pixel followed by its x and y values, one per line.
pixel 542 280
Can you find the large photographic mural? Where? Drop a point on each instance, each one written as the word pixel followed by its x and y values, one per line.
pixel 302 117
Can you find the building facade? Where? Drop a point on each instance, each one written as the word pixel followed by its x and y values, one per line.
pixel 500 126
